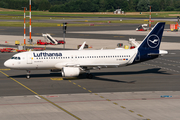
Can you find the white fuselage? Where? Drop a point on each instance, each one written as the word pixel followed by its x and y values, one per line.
pixel 71 58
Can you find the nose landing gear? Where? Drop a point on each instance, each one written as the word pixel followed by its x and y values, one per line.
pixel 28 74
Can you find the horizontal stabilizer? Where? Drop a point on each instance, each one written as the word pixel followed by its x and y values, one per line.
pixel 161 52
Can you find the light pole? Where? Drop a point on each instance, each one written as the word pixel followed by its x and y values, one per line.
pixel 150 18
pixel 25 8
pixel 64 32
pixel 30 40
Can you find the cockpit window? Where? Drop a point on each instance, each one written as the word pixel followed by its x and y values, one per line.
pixel 16 58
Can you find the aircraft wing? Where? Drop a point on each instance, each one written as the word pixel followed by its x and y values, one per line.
pixel 94 66
pixel 89 66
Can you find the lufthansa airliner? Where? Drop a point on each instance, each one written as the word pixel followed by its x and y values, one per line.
pixel 72 62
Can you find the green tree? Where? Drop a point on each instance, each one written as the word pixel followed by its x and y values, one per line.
pixel 142 5
pixel 44 5
pixel 93 5
pixel 177 5
pixel 169 8
pixel 155 5
pixel 124 5
pixel 3 4
pixel 132 5
pixel 102 5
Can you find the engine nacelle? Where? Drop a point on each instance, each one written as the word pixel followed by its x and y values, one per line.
pixel 70 71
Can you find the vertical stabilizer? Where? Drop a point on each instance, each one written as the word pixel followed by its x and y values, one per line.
pixel 153 39
pixel 149 47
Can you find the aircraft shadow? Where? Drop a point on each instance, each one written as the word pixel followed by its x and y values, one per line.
pixel 154 70
pixel 112 80
pixel 83 76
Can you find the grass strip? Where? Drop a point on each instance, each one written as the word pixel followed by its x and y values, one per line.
pixel 39 24
pixel 97 14
pixel 90 23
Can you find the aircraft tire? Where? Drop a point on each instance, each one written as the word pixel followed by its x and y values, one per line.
pixel 28 77
pixel 90 76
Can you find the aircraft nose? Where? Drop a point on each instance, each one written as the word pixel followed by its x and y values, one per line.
pixel 7 63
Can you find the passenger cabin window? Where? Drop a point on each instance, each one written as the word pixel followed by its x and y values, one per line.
pixel 16 58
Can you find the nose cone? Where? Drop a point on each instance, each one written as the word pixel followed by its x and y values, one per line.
pixel 7 63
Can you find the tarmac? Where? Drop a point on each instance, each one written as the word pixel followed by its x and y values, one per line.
pixel 72 43
pixel 97 106
pixel 146 91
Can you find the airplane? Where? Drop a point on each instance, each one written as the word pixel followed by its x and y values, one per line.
pixel 73 62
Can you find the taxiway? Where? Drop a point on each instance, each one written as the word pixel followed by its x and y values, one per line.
pixel 145 91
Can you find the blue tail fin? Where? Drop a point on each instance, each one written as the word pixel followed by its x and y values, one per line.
pixel 149 48
pixel 153 39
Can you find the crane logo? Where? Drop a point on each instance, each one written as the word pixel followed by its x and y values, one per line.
pixel 153 41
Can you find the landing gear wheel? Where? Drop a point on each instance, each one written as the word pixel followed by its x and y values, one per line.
pixel 90 76
pixel 27 76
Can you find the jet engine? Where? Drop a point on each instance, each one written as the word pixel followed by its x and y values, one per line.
pixel 70 71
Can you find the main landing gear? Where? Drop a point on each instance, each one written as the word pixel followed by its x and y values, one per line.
pixel 28 72
pixel 89 75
